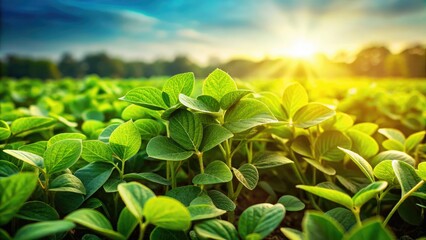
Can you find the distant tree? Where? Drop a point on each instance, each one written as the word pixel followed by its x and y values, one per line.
pixel 3 69
pixel 70 67
pixel 102 65
pixel 370 61
pixel 416 61
pixel 181 64
pixel 134 69
pixel 395 66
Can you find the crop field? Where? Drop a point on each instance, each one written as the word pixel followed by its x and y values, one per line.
pixel 214 158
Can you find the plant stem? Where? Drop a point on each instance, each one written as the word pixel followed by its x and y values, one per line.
pixel 379 200
pixel 142 227
pixel 229 185
pixel 237 192
pixel 172 173
pixel 201 163
pixel 401 200
pixel 356 213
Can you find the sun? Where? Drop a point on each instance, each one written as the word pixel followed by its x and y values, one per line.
pixel 302 49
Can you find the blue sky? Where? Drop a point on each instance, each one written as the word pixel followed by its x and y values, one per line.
pixel 206 29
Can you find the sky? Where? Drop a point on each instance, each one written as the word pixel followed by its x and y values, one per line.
pixel 206 30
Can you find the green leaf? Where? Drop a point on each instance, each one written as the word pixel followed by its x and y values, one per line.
pixel 214 135
pixel 7 169
pixel 363 144
pixel 168 213
pixel 340 122
pixel 421 172
pixel 4 130
pixel 95 150
pixel 149 128
pixel 329 194
pixel 66 202
pixel 4 235
pixel 311 115
pixel 301 145
pixel 216 172
pixel 292 234
pixel 148 176
pixel 391 144
pixel 327 143
pixel 125 141
pixel 361 163
pixel 325 169
pixel 343 216
pixel 180 83
pixel 384 171
pixel 294 98
pixel 221 201
pixel 261 219
pixel 319 226
pixel 67 183
pixel 406 176
pixel 63 136
pixel 37 148
pixel 14 191
pixel 204 103
pixel 135 112
pixel 92 114
pixel 43 229
pixel 27 125
pixel 217 84
pixel 372 229
pixel 164 148
pixel 111 185
pixel 229 99
pixel 127 223
pixel 148 97
pixel 90 237
pixel 135 196
pixel 62 155
pixel 93 176
pixel 366 127
pixel 393 134
pixel 291 203
pixel 393 155
pixel 184 194
pixel 204 211
pixel 106 133
pixel 246 114
pixel 248 175
pixel 95 221
pixel 413 140
pixel 165 234
pixel 30 158
pixel 368 192
pixel 37 211
pixel 264 160
pixel 216 229
pixel 186 129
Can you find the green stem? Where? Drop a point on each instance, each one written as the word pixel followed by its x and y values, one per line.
pixel 237 192
pixel 401 200
pixel 380 198
pixel 172 173
pixel 229 185
pixel 142 227
pixel 250 152
pixel 356 213
pixel 201 163
pixel 168 174
pixel 46 188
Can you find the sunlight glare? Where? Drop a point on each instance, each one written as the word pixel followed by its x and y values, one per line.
pixel 302 49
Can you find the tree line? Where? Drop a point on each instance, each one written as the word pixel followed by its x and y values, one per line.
pixel 375 61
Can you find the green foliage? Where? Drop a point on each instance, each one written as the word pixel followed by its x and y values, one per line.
pixel 125 141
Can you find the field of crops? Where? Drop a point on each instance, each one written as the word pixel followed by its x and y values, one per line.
pixel 214 158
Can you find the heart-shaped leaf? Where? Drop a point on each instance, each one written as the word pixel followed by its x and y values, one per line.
pixel 37 211
pixel 322 227
pixel 186 129
pixel 148 97
pixel 62 155
pixel 164 148
pixel 329 194
pixel 125 141
pixel 179 83
pixel 248 175
pixel 311 115
pixel 291 203
pixel 361 163
pixel 327 143
pixel 368 192
pixel 95 150
pixel 294 98
pixel 214 135
pixel 216 172
pixel 217 84
pixel 135 196
pixel 67 183
pixel 43 229
pixel 216 229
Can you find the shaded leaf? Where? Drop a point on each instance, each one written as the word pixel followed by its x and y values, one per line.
pixel 216 229
pixel 229 99
pixel 372 229
pixel 368 192
pixel 67 183
pixel 204 103
pixel 216 172
pixel 270 159
pixel 361 163
pixel 127 223
pixel 37 211
pixel 30 158
pixel 291 203
pixel 93 176
pixel 43 229
pixel 164 148
pixel 214 135
pixel 326 145
pixel 221 201
pixel 186 129
pixel 135 196
pixel 248 175
pixel 320 226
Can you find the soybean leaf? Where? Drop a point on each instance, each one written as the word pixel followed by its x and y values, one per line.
pixel 233 97
pixel 26 125
pixel 7 168
pixel 393 134
pixel 67 183
pixel 320 226
pixel 393 155
pixel 135 196
pixel 204 211
pixel 368 192
pixel 168 213
pixel 366 127
pixel 149 128
pixel 406 176
pixel 391 144
pixel 340 122
pixel 214 135
pixel 291 203
pixel 325 169
pixel 95 221
pixel 327 143
pixel 148 176
pixel 165 234
pixel 372 229
pixel 164 148
pixel 361 163
pixel 294 98
pixel 148 97
pixel 260 219
pixel 43 229
pixel 216 229
pixel 4 130
pixel 384 171
pixel 111 185
pixel 264 160
pixel 343 216
pixel 184 194
pixel 217 84
pixel 30 158
pixel 301 145
pixel 248 175
pixel 204 103
pixel 95 150
pixel 186 129
pixel 363 144
pixel 106 133
pixel 14 191
pixel 90 237
pixel 221 201
pixel 127 223
pixel 311 115
pixel 292 234
pixel 66 202
pixel 125 141
pixel 37 148
pixel 413 140
pixel 216 172
pixel 177 84
pixel 62 155
pixel 62 136
pixel 421 172
pixel 246 114
pixel 93 176
pixel 37 211
pixel 329 194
